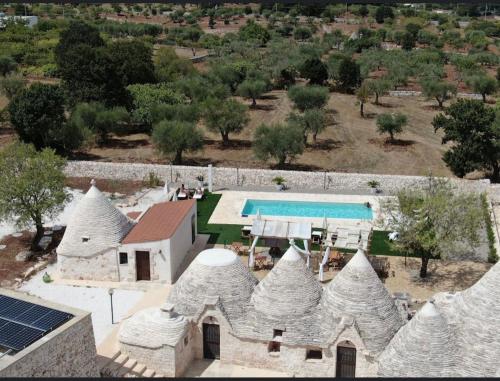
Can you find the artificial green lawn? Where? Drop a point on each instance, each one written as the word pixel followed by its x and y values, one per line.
pixel 226 234
pixel 219 233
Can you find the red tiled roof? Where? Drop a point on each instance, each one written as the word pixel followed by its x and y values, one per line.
pixel 133 215
pixel 159 222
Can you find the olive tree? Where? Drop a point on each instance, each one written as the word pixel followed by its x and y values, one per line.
pixel 483 84
pixel 174 137
pixel 31 186
pixel 281 142
pixel 391 124
pixel 433 222
pixel 308 97
pixel 252 89
pixel 225 117
pixel 439 90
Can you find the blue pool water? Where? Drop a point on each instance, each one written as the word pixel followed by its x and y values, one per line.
pixel 307 209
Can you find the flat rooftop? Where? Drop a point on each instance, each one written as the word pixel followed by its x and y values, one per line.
pixel 27 322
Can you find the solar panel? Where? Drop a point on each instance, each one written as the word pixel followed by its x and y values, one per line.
pixel 22 323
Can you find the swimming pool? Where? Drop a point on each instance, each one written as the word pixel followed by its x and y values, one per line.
pixel 307 209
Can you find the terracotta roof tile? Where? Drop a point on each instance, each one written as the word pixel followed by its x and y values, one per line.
pixel 159 222
pixel 133 215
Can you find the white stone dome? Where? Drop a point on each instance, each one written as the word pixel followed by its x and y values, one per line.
pixel 153 328
pixel 425 347
pixel 95 226
pixel 357 292
pixel 213 273
pixel 475 316
pixel 289 290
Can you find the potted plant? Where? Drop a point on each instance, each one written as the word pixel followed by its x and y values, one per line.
pixel 374 184
pixel 280 183
pixel 200 179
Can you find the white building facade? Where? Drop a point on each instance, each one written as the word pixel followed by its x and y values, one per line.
pixel 101 243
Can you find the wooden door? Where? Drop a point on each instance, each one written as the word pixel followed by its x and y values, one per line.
pixel 142 265
pixel 346 362
pixel 211 341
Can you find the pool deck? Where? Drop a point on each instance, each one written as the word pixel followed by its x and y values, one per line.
pixel 228 210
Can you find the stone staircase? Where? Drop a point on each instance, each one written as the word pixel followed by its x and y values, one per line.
pixel 120 365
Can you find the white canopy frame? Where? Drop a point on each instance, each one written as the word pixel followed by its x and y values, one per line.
pixel 282 230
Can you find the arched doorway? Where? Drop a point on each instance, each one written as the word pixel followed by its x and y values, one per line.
pixel 211 339
pixel 346 360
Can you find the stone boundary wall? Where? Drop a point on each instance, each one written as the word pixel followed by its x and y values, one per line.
pixel 411 93
pixel 245 177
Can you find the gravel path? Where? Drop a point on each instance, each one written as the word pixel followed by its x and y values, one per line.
pixel 93 299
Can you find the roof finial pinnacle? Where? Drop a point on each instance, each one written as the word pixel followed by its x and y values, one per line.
pixel 92 182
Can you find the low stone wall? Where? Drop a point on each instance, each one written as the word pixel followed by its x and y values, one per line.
pixel 70 353
pixel 244 177
pixel 411 93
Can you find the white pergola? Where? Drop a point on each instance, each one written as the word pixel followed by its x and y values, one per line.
pixel 280 230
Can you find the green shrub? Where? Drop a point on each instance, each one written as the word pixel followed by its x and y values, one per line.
pixel 492 251
pixel 151 180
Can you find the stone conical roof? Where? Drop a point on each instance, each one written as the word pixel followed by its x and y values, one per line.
pixel 286 300
pixel 474 314
pixel 289 290
pixel 214 273
pixel 424 347
pixel 357 292
pixel 95 226
pixel 153 328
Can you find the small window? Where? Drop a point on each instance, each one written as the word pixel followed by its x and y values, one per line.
pixel 277 332
pixel 314 354
pixel 274 346
pixel 85 239
pixel 123 258
pixel 186 340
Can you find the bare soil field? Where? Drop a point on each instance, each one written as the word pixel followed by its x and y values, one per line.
pixel 349 144
pixel 443 276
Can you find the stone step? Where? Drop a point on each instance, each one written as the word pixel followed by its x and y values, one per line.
pixel 126 368
pixel 159 375
pixel 112 368
pixel 139 369
pixel 148 373
pixel 103 361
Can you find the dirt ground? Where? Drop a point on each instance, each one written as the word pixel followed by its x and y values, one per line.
pixel 443 276
pixel 349 144
pixel 10 269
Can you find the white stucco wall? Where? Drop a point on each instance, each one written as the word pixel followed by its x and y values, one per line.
pixel 102 266
pixel 181 242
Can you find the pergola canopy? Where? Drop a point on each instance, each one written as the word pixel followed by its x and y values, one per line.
pixel 281 229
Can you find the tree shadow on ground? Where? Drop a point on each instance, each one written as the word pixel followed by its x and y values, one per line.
pixel 124 143
pixel 199 161
pixel 236 144
pixel 395 145
pixel 232 144
pixel 325 144
pixel 261 107
pixel 79 155
pixel 385 105
pixel 269 97
pixel 297 167
pixel 456 277
pixel 370 115
pixel 432 108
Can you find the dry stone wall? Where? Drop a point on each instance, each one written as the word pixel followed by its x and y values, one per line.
pixel 70 353
pixel 245 177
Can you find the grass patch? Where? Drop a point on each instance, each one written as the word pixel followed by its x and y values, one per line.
pixel 381 246
pixel 219 233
